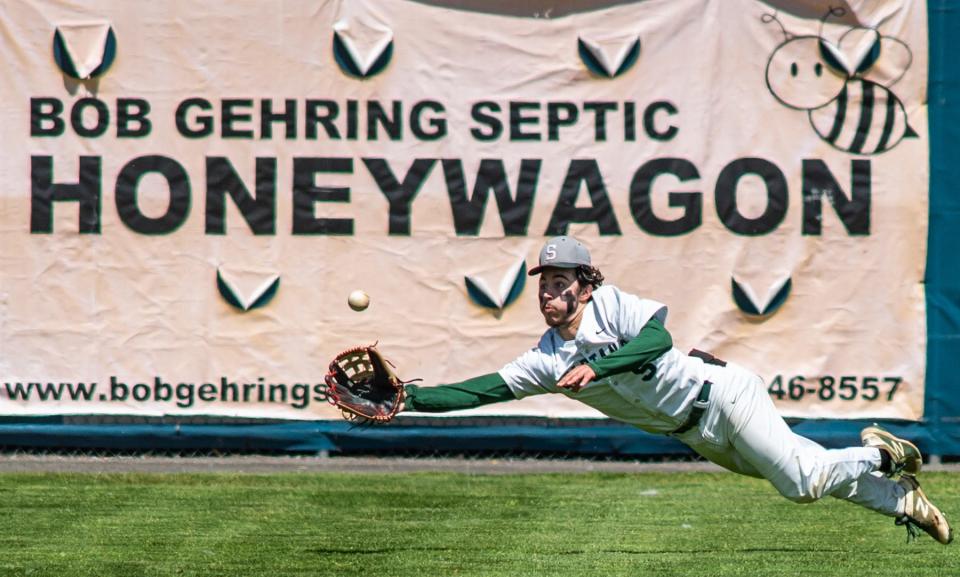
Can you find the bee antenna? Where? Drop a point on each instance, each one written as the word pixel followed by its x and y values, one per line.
pixel 768 18
pixel 835 11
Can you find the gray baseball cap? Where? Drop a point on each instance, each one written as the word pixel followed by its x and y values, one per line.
pixel 562 252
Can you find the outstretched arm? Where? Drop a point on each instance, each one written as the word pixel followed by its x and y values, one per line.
pixel 468 394
pixel 653 341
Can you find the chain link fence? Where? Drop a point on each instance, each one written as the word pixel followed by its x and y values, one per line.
pixel 473 438
pixel 419 442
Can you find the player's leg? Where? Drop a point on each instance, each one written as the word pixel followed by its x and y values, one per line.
pixel 803 470
pixel 800 469
pixel 745 433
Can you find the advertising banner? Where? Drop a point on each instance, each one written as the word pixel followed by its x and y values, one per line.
pixel 190 192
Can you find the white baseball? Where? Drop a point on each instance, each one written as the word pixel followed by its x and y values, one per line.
pixel 358 300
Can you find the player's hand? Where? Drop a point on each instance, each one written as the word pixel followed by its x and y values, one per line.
pixel 576 378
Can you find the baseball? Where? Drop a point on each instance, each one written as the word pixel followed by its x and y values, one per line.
pixel 358 300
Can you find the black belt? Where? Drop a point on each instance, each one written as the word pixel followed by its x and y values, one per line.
pixel 699 407
pixel 707 358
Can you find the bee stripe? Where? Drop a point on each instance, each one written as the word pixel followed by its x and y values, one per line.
pixel 866 116
pixel 839 118
pixel 888 123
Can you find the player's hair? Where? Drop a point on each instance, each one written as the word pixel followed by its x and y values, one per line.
pixel 589 275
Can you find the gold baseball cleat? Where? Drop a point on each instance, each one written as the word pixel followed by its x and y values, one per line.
pixel 919 513
pixel 904 456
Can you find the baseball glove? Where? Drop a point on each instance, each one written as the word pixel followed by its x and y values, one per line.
pixel 362 384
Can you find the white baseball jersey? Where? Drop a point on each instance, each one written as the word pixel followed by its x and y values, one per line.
pixel 654 398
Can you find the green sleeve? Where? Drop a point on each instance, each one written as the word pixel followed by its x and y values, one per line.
pixel 468 394
pixel 653 341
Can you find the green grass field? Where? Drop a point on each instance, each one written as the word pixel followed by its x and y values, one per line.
pixel 698 524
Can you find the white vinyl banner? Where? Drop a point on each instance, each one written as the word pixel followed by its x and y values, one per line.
pixel 190 192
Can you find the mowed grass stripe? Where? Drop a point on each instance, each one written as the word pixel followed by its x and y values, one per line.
pixel 449 524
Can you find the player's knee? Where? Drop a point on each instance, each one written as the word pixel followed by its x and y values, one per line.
pixel 806 483
pixel 800 493
pixel 800 496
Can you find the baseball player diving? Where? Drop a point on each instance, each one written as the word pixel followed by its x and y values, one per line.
pixel 610 350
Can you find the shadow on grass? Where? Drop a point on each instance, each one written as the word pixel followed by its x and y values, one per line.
pixel 700 551
pixel 399 549
pixel 382 551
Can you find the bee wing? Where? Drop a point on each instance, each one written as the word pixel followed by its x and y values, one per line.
pixel 861 45
pixel 894 60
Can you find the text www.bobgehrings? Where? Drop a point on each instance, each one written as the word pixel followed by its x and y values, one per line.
pixel 184 395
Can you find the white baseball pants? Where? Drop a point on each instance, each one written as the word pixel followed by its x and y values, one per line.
pixel 742 431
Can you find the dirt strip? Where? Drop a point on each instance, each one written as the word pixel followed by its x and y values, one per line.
pixel 23 463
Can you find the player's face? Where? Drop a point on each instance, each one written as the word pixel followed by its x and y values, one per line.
pixel 560 296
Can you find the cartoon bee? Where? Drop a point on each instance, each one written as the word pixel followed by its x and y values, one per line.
pixel 844 86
